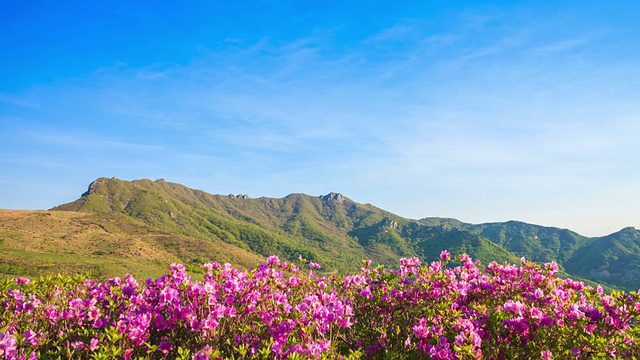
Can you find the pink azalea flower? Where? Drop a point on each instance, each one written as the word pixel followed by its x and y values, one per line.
pixel 30 337
pixel 22 281
pixel 445 255
pixel 93 344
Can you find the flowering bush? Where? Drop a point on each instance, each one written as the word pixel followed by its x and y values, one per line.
pixel 277 310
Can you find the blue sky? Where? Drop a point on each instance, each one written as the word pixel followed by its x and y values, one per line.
pixel 481 111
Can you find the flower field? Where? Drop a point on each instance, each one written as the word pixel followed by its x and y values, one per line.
pixel 443 310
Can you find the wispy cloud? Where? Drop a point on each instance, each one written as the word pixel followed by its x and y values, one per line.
pixel 562 45
pixel 13 100
pixel 89 141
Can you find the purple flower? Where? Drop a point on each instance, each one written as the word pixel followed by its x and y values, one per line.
pixel 593 314
pixel 551 266
pixel 78 345
pixel 7 344
pixel 445 255
pixel 165 347
pixel 272 260
pixel 93 344
pixel 204 354
pixel 366 292
pixel 128 354
pixel 516 307
pixel 30 337
pixel 538 293
pixel 575 351
pixel 546 355
pixel 421 330
pixel 22 281
pixel 410 262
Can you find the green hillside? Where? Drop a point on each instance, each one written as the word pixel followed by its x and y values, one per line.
pixel 613 259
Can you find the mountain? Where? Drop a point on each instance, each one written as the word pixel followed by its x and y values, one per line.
pixel 331 229
pixel 177 223
pixel 613 259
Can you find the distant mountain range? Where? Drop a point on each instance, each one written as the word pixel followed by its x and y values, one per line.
pixel 140 226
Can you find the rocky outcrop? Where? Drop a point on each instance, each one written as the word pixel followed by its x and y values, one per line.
pixel 333 197
pixel 390 223
pixel 239 196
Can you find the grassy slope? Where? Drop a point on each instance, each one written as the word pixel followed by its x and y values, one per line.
pixel 48 242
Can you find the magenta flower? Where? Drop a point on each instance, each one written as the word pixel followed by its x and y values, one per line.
pixel 7 344
pixel 165 347
pixel 93 344
pixel 546 355
pixel 575 351
pixel 445 255
pixel 593 314
pixel 551 266
pixel 272 260
pixel 22 281
pixel 30 337
pixel 463 312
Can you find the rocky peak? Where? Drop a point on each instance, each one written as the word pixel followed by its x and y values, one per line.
pixel 333 197
pixel 95 185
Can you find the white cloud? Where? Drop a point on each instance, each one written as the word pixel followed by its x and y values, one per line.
pixel 14 100
pixel 89 141
pixel 562 45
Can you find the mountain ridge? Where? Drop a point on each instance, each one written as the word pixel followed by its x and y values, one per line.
pixel 339 195
pixel 339 233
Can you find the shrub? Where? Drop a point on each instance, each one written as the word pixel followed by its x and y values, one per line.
pixel 277 310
